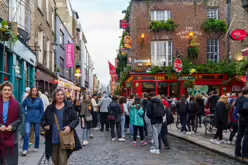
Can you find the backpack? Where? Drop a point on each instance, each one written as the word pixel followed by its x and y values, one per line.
pixel 182 106
pixel 243 108
pixel 169 117
pixel 158 109
pixel 192 108
pixel 213 102
pixel 112 113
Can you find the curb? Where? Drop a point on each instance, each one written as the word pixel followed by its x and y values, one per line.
pixel 211 149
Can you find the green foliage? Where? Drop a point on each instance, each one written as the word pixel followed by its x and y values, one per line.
pixel 121 64
pixel 6 34
pixel 124 75
pixel 128 11
pixel 241 67
pixel 58 70
pixel 215 26
pixel 193 52
pixel 158 26
pixel 164 69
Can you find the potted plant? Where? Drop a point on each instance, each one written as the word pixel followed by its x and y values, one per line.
pixel 158 26
pixel 215 26
pixel 193 51
pixel 7 35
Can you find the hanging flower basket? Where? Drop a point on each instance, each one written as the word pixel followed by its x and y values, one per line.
pixel 4 36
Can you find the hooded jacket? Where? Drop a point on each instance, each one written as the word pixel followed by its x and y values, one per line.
pixel 136 115
pixel 104 103
pixel 154 120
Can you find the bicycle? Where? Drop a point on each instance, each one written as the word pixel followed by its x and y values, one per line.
pixel 208 122
pixel 178 122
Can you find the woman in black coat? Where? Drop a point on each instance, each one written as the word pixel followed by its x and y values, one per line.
pixel 221 119
pixel 67 120
pixel 200 109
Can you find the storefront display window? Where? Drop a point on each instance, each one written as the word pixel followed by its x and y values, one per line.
pixel 148 87
pixel 174 89
pixel 163 88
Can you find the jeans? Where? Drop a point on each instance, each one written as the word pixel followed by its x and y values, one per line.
pixel 122 125
pixel 183 118
pixel 218 134
pixel 149 129
pixel 131 129
pixel 156 128
pixel 242 135
pixel 86 134
pixel 135 131
pixel 118 129
pixel 164 136
pixel 191 121
pixel 27 135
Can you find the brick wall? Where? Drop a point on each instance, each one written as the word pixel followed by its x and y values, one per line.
pixel 186 14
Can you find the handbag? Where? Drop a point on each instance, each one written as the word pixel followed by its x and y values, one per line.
pixel 88 118
pixel 67 141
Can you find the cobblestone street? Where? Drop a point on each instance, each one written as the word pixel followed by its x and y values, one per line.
pixel 101 151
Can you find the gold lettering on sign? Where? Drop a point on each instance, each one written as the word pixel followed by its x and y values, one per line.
pixel 159 77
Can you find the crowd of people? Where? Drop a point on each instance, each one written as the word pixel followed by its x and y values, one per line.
pixel 146 118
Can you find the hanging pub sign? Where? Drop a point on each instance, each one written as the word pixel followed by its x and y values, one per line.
pixel 178 65
pixel 128 42
pixel 238 35
pixel 124 24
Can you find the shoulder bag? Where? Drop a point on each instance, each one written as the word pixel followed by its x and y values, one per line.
pixel 67 141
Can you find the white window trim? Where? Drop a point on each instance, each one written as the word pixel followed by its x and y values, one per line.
pixel 48 54
pixel 154 53
pixel 40 43
pixel 212 10
pixel 167 13
pixel 48 11
pixel 53 20
pixel 218 51
pixel 40 5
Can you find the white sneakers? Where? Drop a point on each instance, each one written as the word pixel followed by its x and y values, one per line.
pixel 113 139
pixel 24 152
pixel 230 142
pixel 154 151
pixel 36 149
pixel 85 143
pixel 121 139
pixel 214 141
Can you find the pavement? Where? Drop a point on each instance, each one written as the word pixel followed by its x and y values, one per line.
pixel 32 158
pixel 102 151
pixel 203 140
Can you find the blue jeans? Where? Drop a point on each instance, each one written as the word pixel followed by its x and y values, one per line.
pixel 27 135
pixel 183 119
pixel 123 119
pixel 86 134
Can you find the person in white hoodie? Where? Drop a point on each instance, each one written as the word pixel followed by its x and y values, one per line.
pixel 45 100
pixel 94 113
pixel 104 104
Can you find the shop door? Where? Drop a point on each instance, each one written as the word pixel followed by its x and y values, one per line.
pixel 163 88
pixel 175 90
pixel 148 87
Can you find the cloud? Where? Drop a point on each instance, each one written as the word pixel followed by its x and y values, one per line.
pixel 100 23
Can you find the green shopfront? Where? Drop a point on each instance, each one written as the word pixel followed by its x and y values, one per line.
pixel 18 67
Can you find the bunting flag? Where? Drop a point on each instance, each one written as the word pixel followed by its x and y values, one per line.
pixel 112 69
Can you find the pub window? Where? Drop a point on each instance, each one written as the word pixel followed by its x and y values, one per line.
pixel 61 38
pixel 61 66
pixel 213 13
pixel 213 50
pixel 162 53
pixel 160 15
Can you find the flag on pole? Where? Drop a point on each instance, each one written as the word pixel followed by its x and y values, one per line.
pixel 112 69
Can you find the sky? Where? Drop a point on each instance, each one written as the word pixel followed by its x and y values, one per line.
pixel 100 24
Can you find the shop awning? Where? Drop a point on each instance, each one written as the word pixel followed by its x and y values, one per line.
pixel 67 84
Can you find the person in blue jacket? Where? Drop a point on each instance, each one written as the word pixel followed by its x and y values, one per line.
pixel 33 114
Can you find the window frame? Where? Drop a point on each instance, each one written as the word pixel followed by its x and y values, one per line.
pixel 213 13
pixel 61 38
pixel 211 45
pixel 165 50
pixel 154 14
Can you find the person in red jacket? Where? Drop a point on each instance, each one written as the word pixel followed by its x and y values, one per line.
pixel 165 102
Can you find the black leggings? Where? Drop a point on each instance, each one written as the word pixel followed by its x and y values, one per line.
pixel 218 134
pixel 135 131
pixel 234 131
pixel 127 121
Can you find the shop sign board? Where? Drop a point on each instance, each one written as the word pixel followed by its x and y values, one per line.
pixel 124 24
pixel 187 78
pixel 238 34
pixel 178 65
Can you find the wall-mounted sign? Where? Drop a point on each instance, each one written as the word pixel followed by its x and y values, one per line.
pixel 185 33
pixel 159 77
pixel 128 42
pixel 186 78
pixel 124 24
pixel 238 35
pixel 178 65
pixel 69 55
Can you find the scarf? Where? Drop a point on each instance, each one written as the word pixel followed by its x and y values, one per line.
pixel 7 138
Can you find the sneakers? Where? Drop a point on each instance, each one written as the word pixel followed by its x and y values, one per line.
pixel 223 142
pixel 30 145
pixel 134 144
pixel 188 133
pixel 121 139
pixel 91 136
pixel 113 139
pixel 143 143
pixel 230 142
pixel 24 153
pixel 36 149
pixel 214 141
pixel 192 133
pixel 84 143
pixel 138 136
pixel 96 129
pixel 154 151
